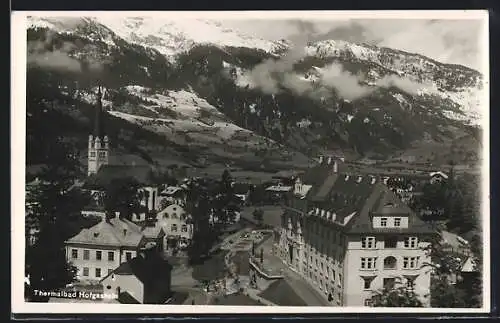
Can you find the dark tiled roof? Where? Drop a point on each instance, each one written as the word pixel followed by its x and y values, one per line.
pixel 377 203
pixel 326 187
pixel 282 294
pixel 107 173
pixel 146 269
pixel 388 204
pixel 113 232
pixel 346 194
pixel 126 298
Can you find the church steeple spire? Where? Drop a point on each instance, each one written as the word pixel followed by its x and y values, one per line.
pixel 98 141
pixel 98 129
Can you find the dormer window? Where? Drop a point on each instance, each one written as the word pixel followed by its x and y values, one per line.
pixel 383 222
pixel 397 222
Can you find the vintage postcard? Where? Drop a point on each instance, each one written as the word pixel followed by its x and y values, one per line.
pixel 250 162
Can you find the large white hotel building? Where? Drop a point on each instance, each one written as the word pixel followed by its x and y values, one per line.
pixel 349 236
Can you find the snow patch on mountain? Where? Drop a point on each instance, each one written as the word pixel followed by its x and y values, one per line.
pixel 420 68
pixel 82 26
pixel 174 36
pixel 470 101
pixel 184 103
pixel 201 133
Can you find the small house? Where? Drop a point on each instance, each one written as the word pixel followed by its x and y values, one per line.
pixel 145 279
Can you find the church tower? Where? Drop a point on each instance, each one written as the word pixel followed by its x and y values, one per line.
pixel 98 141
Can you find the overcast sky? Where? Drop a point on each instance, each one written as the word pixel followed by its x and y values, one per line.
pixel 447 41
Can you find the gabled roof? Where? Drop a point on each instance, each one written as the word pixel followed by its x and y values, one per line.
pixel 281 293
pixel 146 268
pixel 152 232
pixel 107 173
pixel 469 266
pixel 126 298
pixel 377 203
pixel 390 205
pixel 453 240
pixel 113 232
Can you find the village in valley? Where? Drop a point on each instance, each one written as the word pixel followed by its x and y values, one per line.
pixel 327 235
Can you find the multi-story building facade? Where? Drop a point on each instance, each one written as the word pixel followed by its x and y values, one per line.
pixel 177 225
pixel 100 249
pixel 350 236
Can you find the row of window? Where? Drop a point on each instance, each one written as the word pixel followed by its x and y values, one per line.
pixel 388 283
pixel 330 272
pixel 98 272
pixel 325 286
pixel 396 223
pixel 390 242
pixel 102 154
pixel 98 255
pixel 173 228
pixel 389 262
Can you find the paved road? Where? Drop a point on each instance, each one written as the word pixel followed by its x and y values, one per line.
pixel 183 276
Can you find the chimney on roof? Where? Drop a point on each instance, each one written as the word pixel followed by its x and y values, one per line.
pixel 321 158
pixel 329 160
pixel 374 180
pixel 360 178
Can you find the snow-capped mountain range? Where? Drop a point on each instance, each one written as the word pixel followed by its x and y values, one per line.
pixel 432 96
pixel 173 37
pixel 169 37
